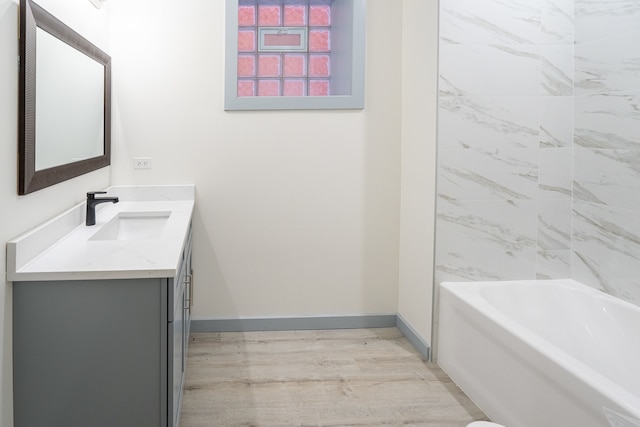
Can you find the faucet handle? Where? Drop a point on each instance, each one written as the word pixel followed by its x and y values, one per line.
pixel 92 194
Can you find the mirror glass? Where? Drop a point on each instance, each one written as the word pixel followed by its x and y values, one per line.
pixel 69 104
pixel 65 102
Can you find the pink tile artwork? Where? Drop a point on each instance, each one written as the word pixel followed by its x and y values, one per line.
pixel 268 87
pixel 284 73
pixel 246 41
pixel 318 87
pixel 246 16
pixel 319 41
pixel 269 66
pixel 320 15
pixel 294 65
pixel 246 66
pixel 295 15
pixel 293 87
pixel 319 66
pixel 246 88
pixel 268 15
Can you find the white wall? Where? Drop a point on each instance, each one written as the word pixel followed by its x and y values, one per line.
pixel 20 213
pixel 419 103
pixel 297 211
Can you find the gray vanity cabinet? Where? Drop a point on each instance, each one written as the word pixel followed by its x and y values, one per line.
pixel 179 334
pixel 101 353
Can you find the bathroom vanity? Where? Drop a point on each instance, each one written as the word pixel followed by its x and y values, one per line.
pixel 101 314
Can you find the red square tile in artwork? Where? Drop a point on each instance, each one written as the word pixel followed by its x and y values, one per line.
pixel 293 87
pixel 320 15
pixel 319 87
pixel 268 88
pixel 269 15
pixel 294 65
pixel 295 15
pixel 246 88
pixel 319 41
pixel 246 41
pixel 269 66
pixel 319 66
pixel 246 65
pixel 246 16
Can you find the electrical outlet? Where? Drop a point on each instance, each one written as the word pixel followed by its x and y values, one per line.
pixel 142 162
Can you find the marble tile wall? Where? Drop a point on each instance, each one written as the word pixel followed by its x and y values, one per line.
pixel 505 127
pixel 606 161
pixel 539 142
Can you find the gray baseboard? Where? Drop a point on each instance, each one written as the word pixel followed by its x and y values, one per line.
pixel 418 343
pixel 293 323
pixel 313 323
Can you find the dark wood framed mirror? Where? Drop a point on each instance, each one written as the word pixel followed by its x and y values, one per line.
pixel 64 102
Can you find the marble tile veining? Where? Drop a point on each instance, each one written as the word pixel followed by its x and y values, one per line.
pixel 560 76
pixel 504 225
pixel 494 122
pixel 587 270
pixel 553 265
pixel 556 21
pixel 606 245
pixel 491 21
pixel 489 70
pixel 507 22
pixel 469 263
pixel 607 65
pixel 475 174
pixel 597 19
pixel 505 135
pixel 485 240
pixel 555 173
pixel 556 66
pixel 610 177
pixel 556 121
pixel 554 224
pixel 608 120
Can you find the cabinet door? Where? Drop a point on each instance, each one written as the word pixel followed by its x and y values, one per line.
pixel 89 353
pixel 185 325
pixel 177 363
pixel 189 294
pixel 179 333
pixel 188 300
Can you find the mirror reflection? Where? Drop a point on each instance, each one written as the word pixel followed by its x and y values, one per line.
pixel 69 104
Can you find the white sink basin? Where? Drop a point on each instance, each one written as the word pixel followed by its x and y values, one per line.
pixel 133 226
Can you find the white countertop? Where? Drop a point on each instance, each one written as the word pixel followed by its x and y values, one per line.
pixel 61 249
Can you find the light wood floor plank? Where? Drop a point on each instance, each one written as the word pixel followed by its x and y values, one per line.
pixel 357 377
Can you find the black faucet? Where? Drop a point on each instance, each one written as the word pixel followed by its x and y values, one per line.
pixel 92 202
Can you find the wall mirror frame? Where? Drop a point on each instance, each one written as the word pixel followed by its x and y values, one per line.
pixel 34 18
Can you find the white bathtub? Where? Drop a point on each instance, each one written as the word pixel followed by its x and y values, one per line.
pixel 542 353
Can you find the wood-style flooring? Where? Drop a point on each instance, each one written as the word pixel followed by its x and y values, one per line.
pixel 355 377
